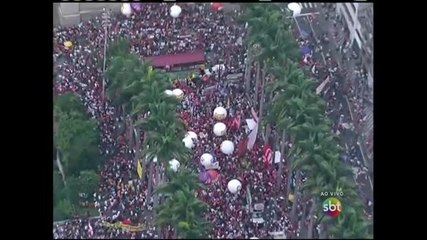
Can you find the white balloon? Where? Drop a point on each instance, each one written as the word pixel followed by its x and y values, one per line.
pixel 234 186
pixel 220 113
pixel 174 164
pixel 126 9
pixel 188 142
pixel 175 11
pixel 219 129
pixel 295 8
pixel 178 93
pixel 206 160
pixel 169 92
pixel 191 135
pixel 227 147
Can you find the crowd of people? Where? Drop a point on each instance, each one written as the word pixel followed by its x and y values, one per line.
pixel 121 194
pixel 152 32
pixel 356 89
pixel 346 79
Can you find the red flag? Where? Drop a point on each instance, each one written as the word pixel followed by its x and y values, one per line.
pixel 127 222
pixel 267 154
pixel 241 147
pixel 236 122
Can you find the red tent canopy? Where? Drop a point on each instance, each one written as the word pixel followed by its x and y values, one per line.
pixel 177 59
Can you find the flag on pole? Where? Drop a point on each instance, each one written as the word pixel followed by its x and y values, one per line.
pixel 236 122
pixel 252 136
pixel 322 85
pixel 139 169
pixel 90 230
pixel 241 147
pixel 228 102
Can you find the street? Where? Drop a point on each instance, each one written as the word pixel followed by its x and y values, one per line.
pixel 349 138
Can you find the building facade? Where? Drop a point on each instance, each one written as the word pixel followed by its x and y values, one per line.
pixel 359 20
pixel 73 13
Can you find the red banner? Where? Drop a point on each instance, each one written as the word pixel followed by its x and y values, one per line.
pixel 241 147
pixel 267 154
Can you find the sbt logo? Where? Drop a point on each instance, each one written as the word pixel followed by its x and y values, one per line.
pixel 332 207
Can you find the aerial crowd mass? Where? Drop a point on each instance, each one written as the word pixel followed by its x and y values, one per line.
pixel 209 124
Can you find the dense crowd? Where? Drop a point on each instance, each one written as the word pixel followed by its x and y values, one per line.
pixel 121 195
pixel 347 79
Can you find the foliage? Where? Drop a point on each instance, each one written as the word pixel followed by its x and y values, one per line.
pixel 58 188
pixel 296 109
pixel 62 211
pixel 141 90
pixel 85 183
pixel 77 139
pixel 68 102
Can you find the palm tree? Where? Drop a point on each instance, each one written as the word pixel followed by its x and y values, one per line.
pixel 182 210
pixel 163 134
pixel 179 180
pixel 297 110
pixel 149 90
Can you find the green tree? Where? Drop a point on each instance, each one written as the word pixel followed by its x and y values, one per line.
pixel 77 138
pixel 183 211
pixel 69 102
pixel 86 183
pixel 298 114
pixel 58 188
pixel 63 210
